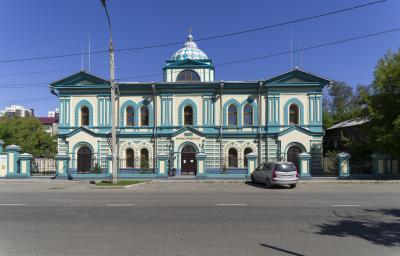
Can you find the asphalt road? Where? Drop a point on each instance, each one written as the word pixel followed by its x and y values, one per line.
pixel 40 218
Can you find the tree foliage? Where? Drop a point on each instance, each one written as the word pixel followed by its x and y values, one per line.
pixel 383 105
pixel 29 134
pixel 341 102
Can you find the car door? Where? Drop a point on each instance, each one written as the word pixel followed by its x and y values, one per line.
pixel 257 172
pixel 264 172
pixel 271 167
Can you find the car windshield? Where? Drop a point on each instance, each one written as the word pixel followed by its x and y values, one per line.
pixel 286 167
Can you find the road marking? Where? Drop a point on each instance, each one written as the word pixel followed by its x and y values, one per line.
pixel 12 204
pixel 231 204
pixel 346 205
pixel 119 205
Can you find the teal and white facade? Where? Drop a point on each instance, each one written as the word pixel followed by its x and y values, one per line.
pixel 190 114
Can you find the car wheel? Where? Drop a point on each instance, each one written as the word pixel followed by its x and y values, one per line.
pixel 252 179
pixel 268 183
pixel 292 185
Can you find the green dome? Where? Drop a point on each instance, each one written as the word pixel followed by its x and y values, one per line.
pixel 189 51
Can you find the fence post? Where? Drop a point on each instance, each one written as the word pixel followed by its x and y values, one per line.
pixel 395 166
pixel 62 166
pixel 304 166
pixel 12 160
pixel 380 163
pixel 251 163
pixel 3 161
pixel 344 164
pixel 25 164
pixel 109 164
pixel 201 167
pixel 162 164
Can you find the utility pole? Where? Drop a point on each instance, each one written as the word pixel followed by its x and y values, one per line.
pixel 112 82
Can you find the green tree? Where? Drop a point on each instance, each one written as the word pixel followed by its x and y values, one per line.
pixel 342 102
pixel 384 105
pixel 29 134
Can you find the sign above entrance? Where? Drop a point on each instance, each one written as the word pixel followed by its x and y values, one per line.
pixel 189 134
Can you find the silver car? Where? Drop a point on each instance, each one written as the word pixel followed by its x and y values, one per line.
pixel 280 173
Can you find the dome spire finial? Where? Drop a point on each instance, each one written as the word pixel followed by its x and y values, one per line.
pixel 190 37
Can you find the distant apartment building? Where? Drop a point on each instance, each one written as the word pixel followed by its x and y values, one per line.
pixel 17 110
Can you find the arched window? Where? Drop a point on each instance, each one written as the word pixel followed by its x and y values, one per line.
pixel 246 151
pixel 232 115
pixel 130 160
pixel 130 116
pixel 188 115
pixel 293 114
pixel 232 158
pixel 248 114
pixel 144 116
pixel 188 76
pixel 84 116
pixel 144 159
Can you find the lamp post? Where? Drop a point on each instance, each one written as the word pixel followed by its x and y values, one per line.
pixel 112 82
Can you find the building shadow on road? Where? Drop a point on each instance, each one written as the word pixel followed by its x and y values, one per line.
pixel 378 226
pixel 261 185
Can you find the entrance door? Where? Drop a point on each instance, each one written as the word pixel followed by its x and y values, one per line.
pixel 84 160
pixel 188 161
pixel 292 155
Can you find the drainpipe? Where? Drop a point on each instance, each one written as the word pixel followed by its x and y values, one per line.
pixel 221 161
pixel 118 127
pixel 259 123
pixel 153 87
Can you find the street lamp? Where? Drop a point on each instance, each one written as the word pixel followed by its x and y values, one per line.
pixel 112 82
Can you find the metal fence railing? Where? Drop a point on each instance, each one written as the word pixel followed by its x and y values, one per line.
pixel 134 166
pixel 212 166
pixel 87 164
pixel 43 167
pixel 361 166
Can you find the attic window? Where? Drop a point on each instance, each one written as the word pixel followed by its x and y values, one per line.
pixel 188 76
pixel 85 82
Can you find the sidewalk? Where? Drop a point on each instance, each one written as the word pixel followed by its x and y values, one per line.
pixel 194 180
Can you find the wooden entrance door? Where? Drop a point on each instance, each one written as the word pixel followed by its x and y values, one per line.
pixel 188 161
pixel 84 160
pixel 292 155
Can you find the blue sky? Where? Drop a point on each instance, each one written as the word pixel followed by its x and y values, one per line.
pixel 48 27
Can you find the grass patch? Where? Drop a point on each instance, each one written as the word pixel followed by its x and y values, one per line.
pixel 119 183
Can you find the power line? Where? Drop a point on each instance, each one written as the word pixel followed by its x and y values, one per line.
pixel 201 39
pixel 309 47
pixel 68 69
pixel 24 85
pixel 19 84
pixel 28 99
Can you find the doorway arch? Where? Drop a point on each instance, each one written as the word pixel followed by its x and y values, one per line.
pixel 188 160
pixel 292 154
pixel 84 159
